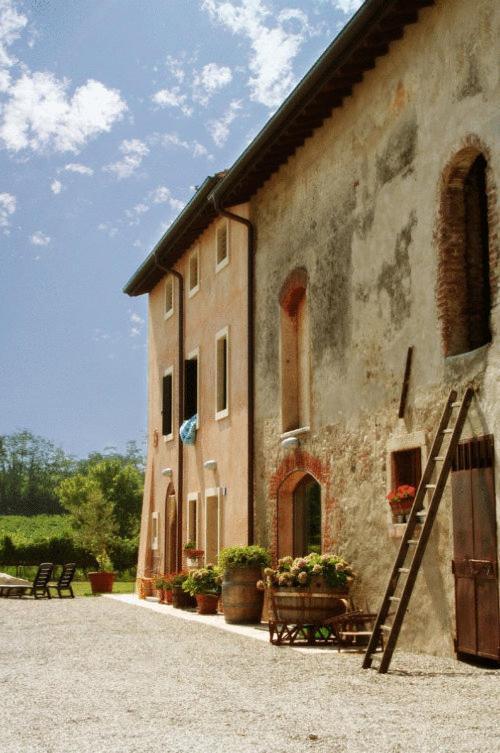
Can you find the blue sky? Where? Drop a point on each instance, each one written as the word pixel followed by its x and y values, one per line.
pixel 111 112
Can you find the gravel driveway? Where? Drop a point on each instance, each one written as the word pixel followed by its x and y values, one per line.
pixel 92 675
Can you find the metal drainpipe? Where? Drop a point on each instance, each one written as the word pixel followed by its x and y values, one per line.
pixel 180 446
pixel 250 354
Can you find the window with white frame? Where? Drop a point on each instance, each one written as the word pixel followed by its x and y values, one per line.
pixel 222 373
pixel 194 272
pixel 154 530
pixel 167 403
pixel 169 297
pixel 221 245
pixel 192 527
pixel 191 385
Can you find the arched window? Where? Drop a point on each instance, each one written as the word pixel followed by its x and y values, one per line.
pixel 306 517
pixel 464 287
pixel 294 347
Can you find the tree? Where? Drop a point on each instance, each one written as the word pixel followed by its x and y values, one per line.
pixel 94 522
pixel 30 469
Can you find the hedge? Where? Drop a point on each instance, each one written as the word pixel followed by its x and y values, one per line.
pixel 62 549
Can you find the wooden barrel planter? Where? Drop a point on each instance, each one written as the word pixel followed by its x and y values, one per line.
pixel 241 597
pixel 306 606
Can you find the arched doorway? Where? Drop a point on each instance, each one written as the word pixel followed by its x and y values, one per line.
pixel 170 530
pixel 299 515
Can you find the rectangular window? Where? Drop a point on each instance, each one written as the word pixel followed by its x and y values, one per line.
pixel 191 386
pixel 406 467
pixel 169 297
pixel 154 530
pixel 192 518
pixel 221 374
pixel 194 273
pixel 167 407
pixel 221 245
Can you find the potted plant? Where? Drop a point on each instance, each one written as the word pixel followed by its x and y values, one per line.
pixel 204 585
pixel 242 568
pixel 167 588
pixel 193 555
pixel 180 598
pixel 307 589
pixel 94 523
pixel 401 502
pixel 159 583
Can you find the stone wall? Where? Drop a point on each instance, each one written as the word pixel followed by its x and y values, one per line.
pixel 358 207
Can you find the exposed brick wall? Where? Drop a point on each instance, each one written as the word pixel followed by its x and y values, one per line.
pixel 464 297
pixel 300 462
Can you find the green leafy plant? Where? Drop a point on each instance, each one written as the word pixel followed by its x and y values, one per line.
pixel 303 571
pixel 243 556
pixel 177 579
pixel 206 580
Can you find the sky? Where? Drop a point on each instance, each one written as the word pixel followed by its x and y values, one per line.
pixel 111 113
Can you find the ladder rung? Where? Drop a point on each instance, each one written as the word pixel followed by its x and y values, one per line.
pixel 387 628
pixel 412 541
pixel 422 513
pixel 439 457
pixel 430 486
pixel 447 431
pixel 394 598
pixel 404 569
pixel 456 405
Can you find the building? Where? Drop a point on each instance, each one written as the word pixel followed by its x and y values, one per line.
pixel 372 194
pixel 196 279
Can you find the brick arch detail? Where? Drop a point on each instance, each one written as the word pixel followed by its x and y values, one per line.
pixel 293 290
pixel 449 238
pixel 302 463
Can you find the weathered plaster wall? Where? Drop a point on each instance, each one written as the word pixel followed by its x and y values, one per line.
pixel 219 303
pixel 357 206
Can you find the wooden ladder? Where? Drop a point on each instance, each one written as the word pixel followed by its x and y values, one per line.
pixel 418 529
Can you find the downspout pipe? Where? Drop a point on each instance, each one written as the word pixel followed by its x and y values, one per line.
pixel 250 354
pixel 180 411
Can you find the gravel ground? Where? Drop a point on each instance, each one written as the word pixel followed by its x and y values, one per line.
pixel 92 675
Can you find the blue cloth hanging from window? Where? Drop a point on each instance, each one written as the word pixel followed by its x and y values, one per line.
pixel 188 430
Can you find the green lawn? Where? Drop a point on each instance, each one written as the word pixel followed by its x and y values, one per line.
pixel 82 587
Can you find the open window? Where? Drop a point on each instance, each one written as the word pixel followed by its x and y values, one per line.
pixel 192 527
pixel 191 385
pixel 222 374
pixel 169 297
pixel 464 286
pixel 221 245
pixel 167 407
pixel 213 525
pixel 406 467
pixel 154 531
pixel 194 272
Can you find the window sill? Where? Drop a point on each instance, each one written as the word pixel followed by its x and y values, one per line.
pixel 168 314
pixel 221 264
pixel 168 438
pixel 222 414
pixel 295 432
pixel 192 292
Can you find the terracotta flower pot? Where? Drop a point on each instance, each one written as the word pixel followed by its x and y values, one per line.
pixel 207 603
pixel 168 596
pixel 101 582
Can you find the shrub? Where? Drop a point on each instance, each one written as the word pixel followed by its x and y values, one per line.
pixel 206 580
pixel 243 556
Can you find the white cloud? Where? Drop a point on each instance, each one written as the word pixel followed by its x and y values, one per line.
pixel 136 319
pixel 172 98
pixel 163 195
pixel 176 68
pixel 40 239
pixel 108 228
pixel 219 129
pixel 11 24
pixel 40 115
pixel 7 208
pixel 347 6
pixel 211 78
pixel 273 48
pixel 194 147
pixel 56 186
pixel 133 151
pixel 77 167
pixel 137 324
pixel 99 335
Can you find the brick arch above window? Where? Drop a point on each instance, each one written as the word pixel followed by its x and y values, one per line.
pixel 293 290
pixel 467 248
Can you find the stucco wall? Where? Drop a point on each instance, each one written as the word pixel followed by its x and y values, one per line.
pixel 220 302
pixel 357 206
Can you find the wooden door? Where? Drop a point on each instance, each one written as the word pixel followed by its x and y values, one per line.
pixel 475 563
